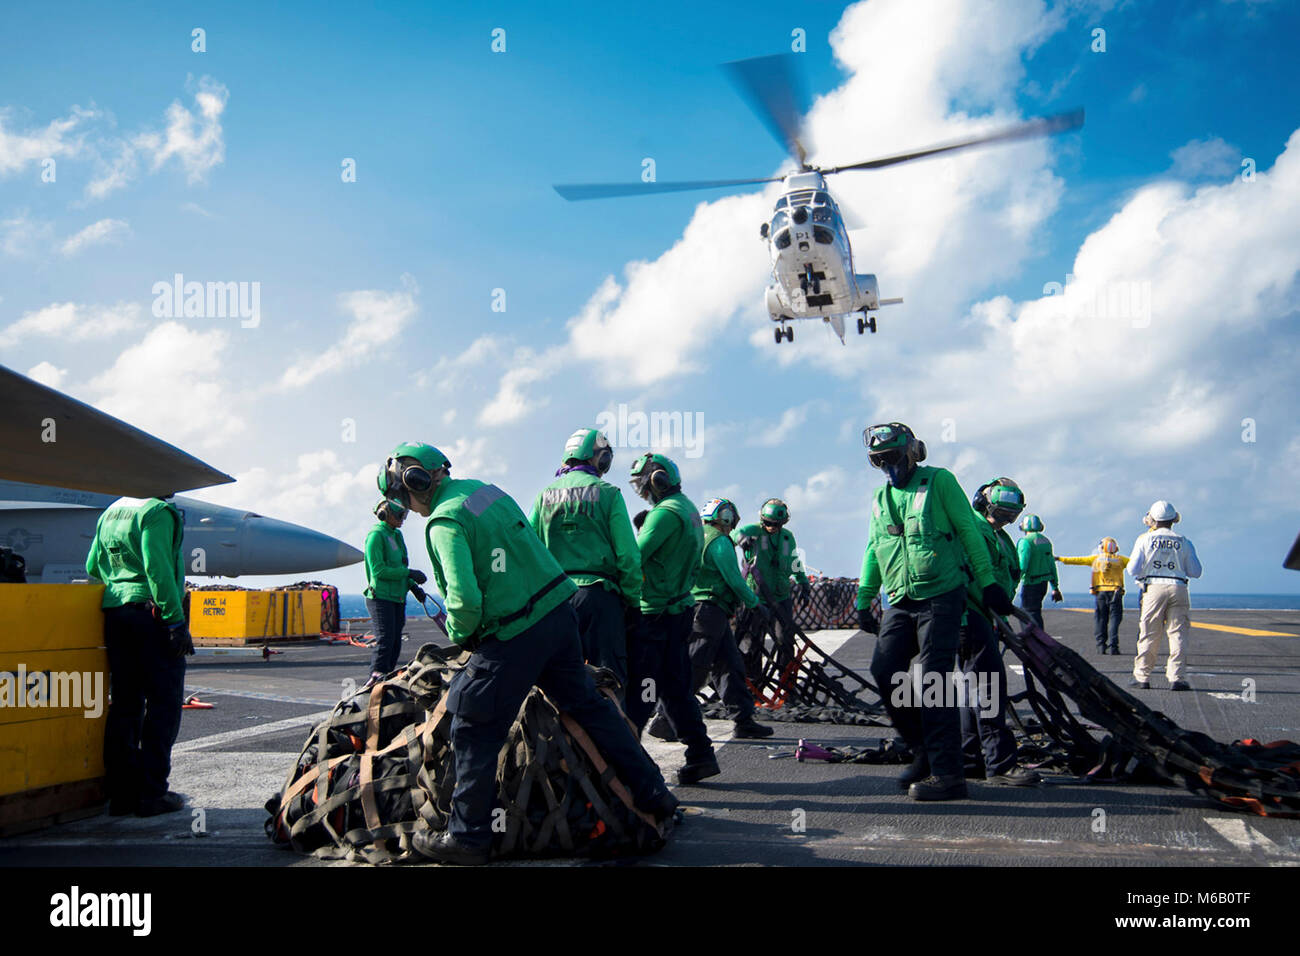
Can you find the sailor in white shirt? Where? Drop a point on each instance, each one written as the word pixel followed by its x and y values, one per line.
pixel 1161 562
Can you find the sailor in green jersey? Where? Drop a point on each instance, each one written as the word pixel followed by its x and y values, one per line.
pixel 719 587
pixel 923 538
pixel 988 746
pixel 136 553
pixel 387 580
pixel 658 653
pixel 1037 567
pixel 583 522
pixel 506 601
pixel 770 552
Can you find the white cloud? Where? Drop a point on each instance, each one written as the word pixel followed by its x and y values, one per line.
pixel 171 384
pixel 1206 158
pixel 21 235
pixel 47 374
pixel 191 137
pixel 19 149
pixel 821 489
pixel 71 322
pixel 791 420
pixel 105 230
pixel 378 318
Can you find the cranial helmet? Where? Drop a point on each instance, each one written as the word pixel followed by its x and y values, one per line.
pixel 721 512
pixel 409 470
pixel 586 444
pixel 774 512
pixel 1031 523
pixel 894 449
pixel 1108 546
pixel 1000 499
pixel 1163 511
pixel 389 506
pixel 655 477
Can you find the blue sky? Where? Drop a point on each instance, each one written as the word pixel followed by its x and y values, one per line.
pixel 376 295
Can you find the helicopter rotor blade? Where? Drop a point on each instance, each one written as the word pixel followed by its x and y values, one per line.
pixel 774 89
pixel 1045 126
pixel 578 191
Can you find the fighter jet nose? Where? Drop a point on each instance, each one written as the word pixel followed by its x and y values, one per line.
pixel 271 546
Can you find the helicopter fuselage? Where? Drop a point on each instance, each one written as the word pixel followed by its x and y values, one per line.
pixel 812 261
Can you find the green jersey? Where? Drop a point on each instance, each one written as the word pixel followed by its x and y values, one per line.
pixel 137 554
pixel 496 576
pixel 1037 563
pixel 773 557
pixel 670 542
pixel 583 522
pixel 718 580
pixel 387 574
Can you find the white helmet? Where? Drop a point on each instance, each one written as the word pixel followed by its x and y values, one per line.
pixel 1162 511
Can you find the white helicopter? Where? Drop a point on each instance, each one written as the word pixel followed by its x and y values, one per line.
pixel 812 260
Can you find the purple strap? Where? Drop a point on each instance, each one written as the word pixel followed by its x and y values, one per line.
pixel 588 469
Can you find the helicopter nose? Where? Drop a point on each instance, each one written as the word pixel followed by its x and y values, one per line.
pixel 800 215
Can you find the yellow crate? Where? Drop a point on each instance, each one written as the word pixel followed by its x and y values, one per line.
pixel 38 617
pixel 54 629
pixel 235 614
pixel 300 612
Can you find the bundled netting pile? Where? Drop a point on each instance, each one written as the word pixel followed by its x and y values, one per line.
pixel 380 768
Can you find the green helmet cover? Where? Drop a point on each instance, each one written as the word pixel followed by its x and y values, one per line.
pixel 584 444
pixel 775 511
pixel 648 463
pixel 1031 523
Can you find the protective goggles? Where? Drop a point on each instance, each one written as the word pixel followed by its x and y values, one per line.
pixel 1004 503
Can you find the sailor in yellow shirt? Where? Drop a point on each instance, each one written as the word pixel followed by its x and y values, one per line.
pixel 1108 590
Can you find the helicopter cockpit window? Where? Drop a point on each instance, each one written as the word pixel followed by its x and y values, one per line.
pixel 822 214
pixel 782 203
pixel 822 199
pixel 779 222
pixel 823 235
pixel 783 239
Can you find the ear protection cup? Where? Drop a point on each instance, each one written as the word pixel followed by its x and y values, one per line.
pixel 604 459
pixel 920 451
pixel 978 501
pixel 660 482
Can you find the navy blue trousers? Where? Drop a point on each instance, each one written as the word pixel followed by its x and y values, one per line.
pixel 147 684
pixel 1031 599
pixel 484 700
pixel 387 618
pixel 1106 620
pixel 659 673
pixel 926 630
pixel 601 629
pixel 986 742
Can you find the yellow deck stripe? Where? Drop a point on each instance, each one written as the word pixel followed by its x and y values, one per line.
pixel 1248 631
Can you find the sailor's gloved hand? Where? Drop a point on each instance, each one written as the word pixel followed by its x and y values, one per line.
pixel 803 591
pixel 1056 595
pixel 418 592
pixel 639 519
pixel 419 577
pixel 179 641
pixel 867 621
pixel 996 600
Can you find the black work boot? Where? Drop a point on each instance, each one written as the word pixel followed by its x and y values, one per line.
pixel 442 847
pixel 660 727
pixel 747 728
pixel 938 788
pixel 662 806
pixel 1016 777
pixel 919 770
pixel 1140 684
pixel 169 802
pixel 697 770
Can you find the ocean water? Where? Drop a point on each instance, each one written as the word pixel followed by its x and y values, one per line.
pixel 354 605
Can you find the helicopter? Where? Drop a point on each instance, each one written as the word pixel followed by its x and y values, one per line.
pixel 812 260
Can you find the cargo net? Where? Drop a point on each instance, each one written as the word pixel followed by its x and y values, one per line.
pixel 830 604
pixel 380 768
pixel 791 678
pixel 1137 744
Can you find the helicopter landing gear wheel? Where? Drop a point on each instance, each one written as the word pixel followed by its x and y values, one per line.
pixel 776 334
pixel 789 333
pixel 868 322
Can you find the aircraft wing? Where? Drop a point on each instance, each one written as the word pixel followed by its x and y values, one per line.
pixel 48 438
